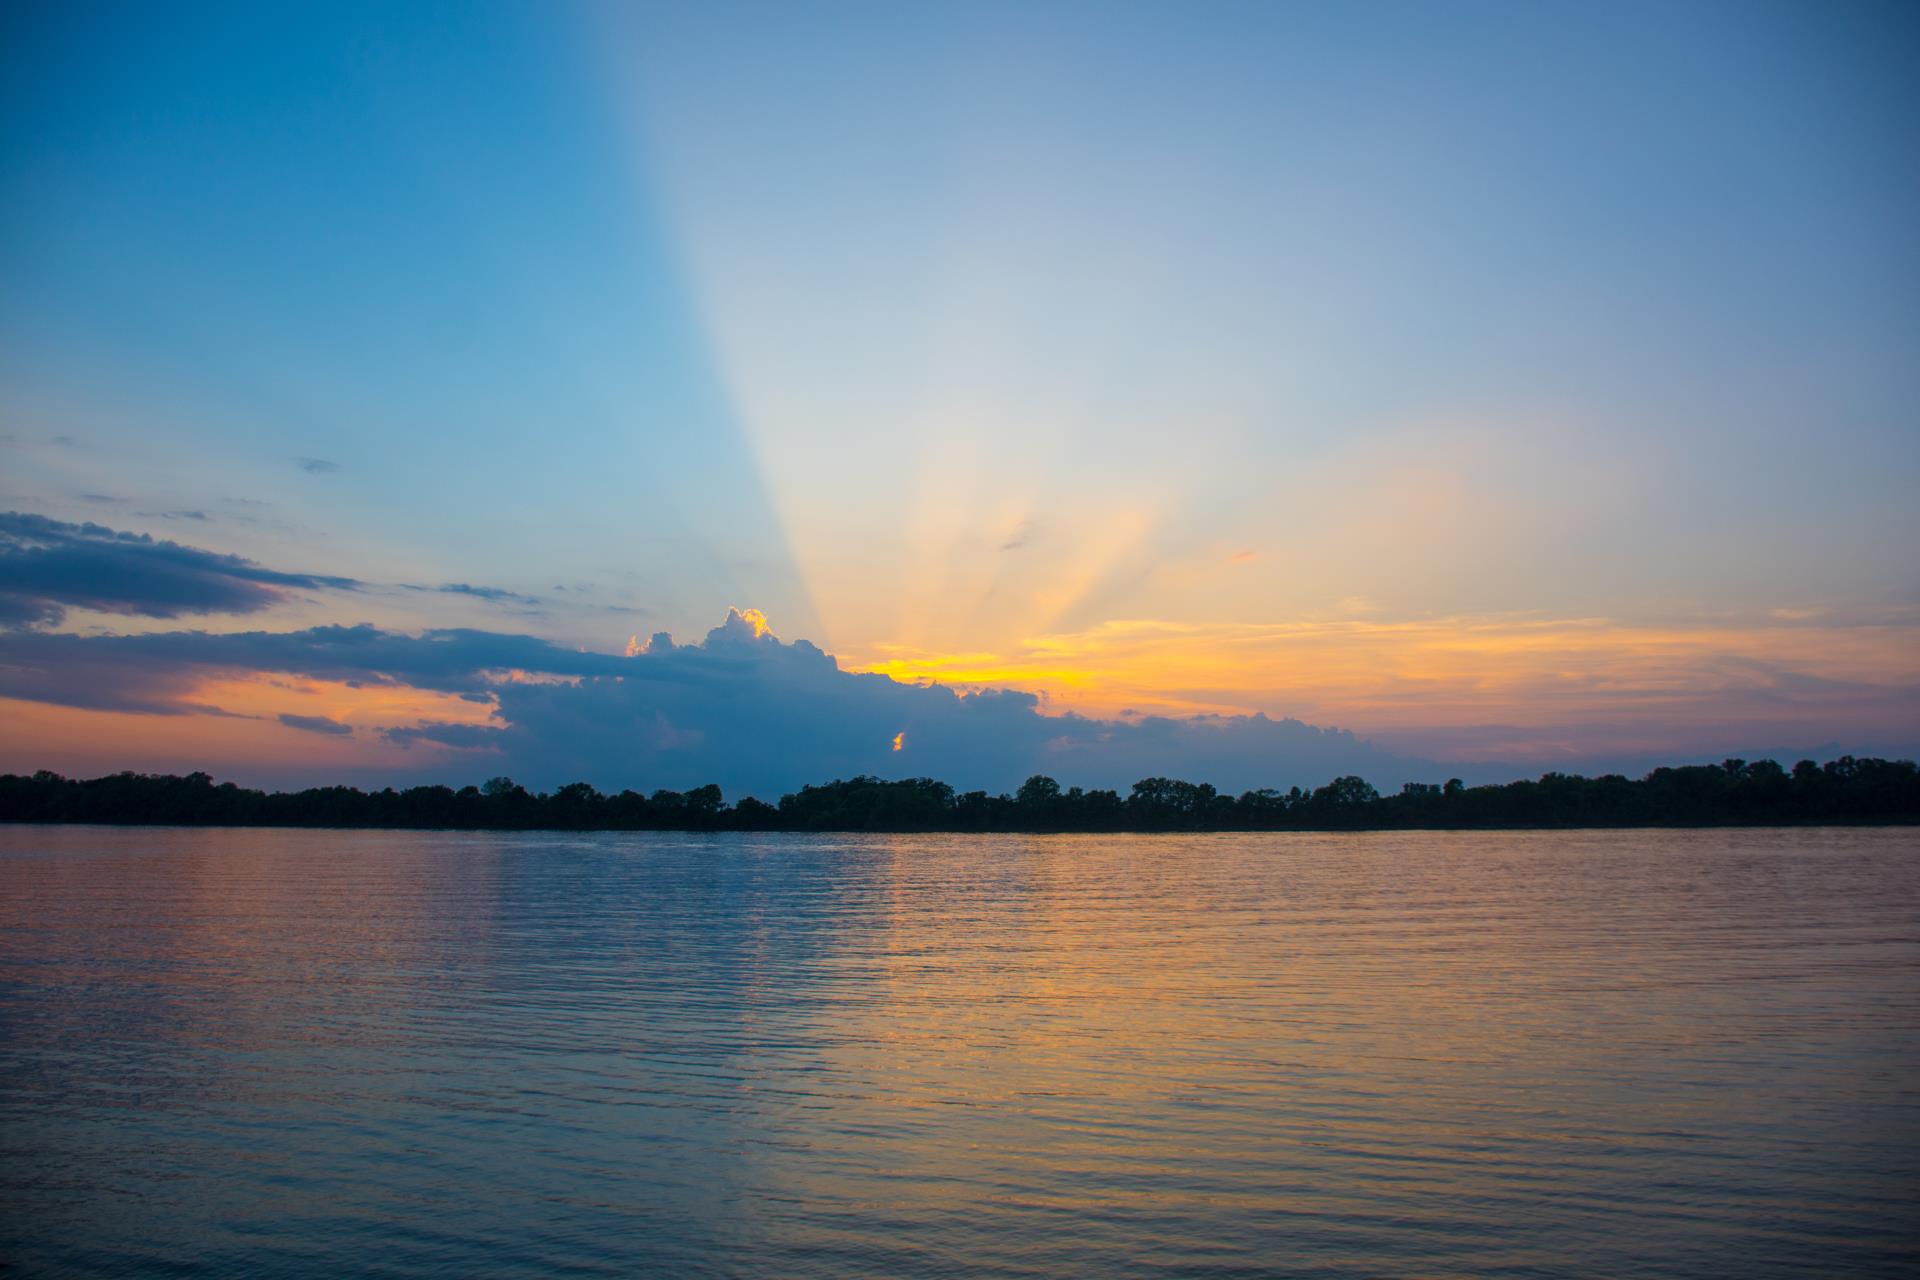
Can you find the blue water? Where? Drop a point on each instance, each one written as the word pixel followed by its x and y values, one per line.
pixel 1654 1053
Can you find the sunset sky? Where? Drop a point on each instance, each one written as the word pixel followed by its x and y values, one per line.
pixel 1508 387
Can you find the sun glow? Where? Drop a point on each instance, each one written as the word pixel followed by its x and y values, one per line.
pixel 1528 674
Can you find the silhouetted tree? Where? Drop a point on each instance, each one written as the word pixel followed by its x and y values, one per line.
pixel 1847 790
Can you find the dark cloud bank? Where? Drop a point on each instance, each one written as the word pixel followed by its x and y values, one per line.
pixel 756 713
pixel 747 710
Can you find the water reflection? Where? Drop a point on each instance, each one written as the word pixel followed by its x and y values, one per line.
pixel 1407 1053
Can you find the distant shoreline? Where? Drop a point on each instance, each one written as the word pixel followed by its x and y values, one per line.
pixel 1889 824
pixel 1735 793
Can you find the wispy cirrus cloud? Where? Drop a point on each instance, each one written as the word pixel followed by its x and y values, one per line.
pixel 492 595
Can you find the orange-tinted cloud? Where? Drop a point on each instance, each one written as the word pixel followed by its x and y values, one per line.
pixel 1619 683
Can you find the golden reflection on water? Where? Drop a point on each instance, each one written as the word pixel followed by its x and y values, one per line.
pixel 1547 1053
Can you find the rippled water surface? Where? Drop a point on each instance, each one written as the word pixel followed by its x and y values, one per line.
pixel 325 1053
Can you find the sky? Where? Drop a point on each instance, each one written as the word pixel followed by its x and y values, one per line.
pixel 1250 393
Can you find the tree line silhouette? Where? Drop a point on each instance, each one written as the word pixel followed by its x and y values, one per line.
pixel 1733 793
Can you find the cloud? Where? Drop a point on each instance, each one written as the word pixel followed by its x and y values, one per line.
pixel 17 611
pixel 464 736
pixel 740 707
pixel 497 595
pixel 316 466
pixel 314 724
pixel 755 713
pixel 149 672
pixel 49 566
pixel 760 715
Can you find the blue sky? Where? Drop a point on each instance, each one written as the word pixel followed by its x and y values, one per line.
pixel 1495 381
